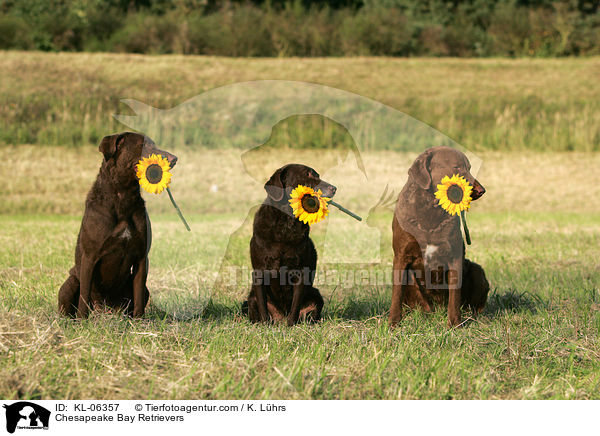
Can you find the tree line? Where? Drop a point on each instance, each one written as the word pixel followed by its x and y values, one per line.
pixel 469 28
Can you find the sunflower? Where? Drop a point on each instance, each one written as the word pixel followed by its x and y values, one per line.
pixel 454 194
pixel 309 206
pixel 154 174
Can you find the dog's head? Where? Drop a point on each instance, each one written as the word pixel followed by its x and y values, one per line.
pixel 123 151
pixel 431 166
pixel 288 177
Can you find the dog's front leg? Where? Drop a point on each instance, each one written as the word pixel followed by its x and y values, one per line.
pixel 139 287
pixel 85 278
pixel 297 298
pixel 261 300
pixel 400 281
pixel 260 284
pixel 454 278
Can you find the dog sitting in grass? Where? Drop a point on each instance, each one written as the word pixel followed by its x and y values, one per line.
pixel 111 255
pixel 284 259
pixel 429 255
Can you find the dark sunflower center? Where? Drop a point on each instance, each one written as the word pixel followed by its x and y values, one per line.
pixel 455 194
pixel 154 173
pixel 310 203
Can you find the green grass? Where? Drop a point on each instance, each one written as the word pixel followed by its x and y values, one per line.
pixel 536 233
pixel 537 339
pixel 484 104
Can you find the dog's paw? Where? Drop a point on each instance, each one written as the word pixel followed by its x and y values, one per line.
pixel 456 323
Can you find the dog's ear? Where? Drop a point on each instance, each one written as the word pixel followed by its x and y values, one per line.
pixel 274 185
pixel 108 145
pixel 419 170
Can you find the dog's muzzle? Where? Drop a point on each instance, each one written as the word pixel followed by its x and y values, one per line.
pixel 477 191
pixel 171 158
pixel 327 189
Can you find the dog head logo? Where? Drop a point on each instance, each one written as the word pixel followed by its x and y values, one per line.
pixel 26 415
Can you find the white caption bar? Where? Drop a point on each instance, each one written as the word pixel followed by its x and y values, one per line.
pixel 90 418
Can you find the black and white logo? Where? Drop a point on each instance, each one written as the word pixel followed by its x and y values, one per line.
pixel 26 415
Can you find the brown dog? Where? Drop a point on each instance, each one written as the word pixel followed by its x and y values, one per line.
pixel 429 255
pixel 283 256
pixel 111 256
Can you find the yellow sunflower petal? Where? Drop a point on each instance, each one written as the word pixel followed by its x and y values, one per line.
pixel 442 194
pixel 142 167
pixel 296 204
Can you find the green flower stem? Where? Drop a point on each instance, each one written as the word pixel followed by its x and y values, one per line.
pixel 466 229
pixel 343 209
pixel 178 211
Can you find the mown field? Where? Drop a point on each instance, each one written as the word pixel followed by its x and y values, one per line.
pixel 536 232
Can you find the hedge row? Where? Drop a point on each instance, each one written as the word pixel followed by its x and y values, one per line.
pixel 373 27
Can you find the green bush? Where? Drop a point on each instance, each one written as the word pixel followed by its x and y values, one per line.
pixel 14 33
pixel 52 24
pixel 296 31
pixel 144 33
pixel 378 31
pixel 586 38
pixel 233 31
pixel 541 28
